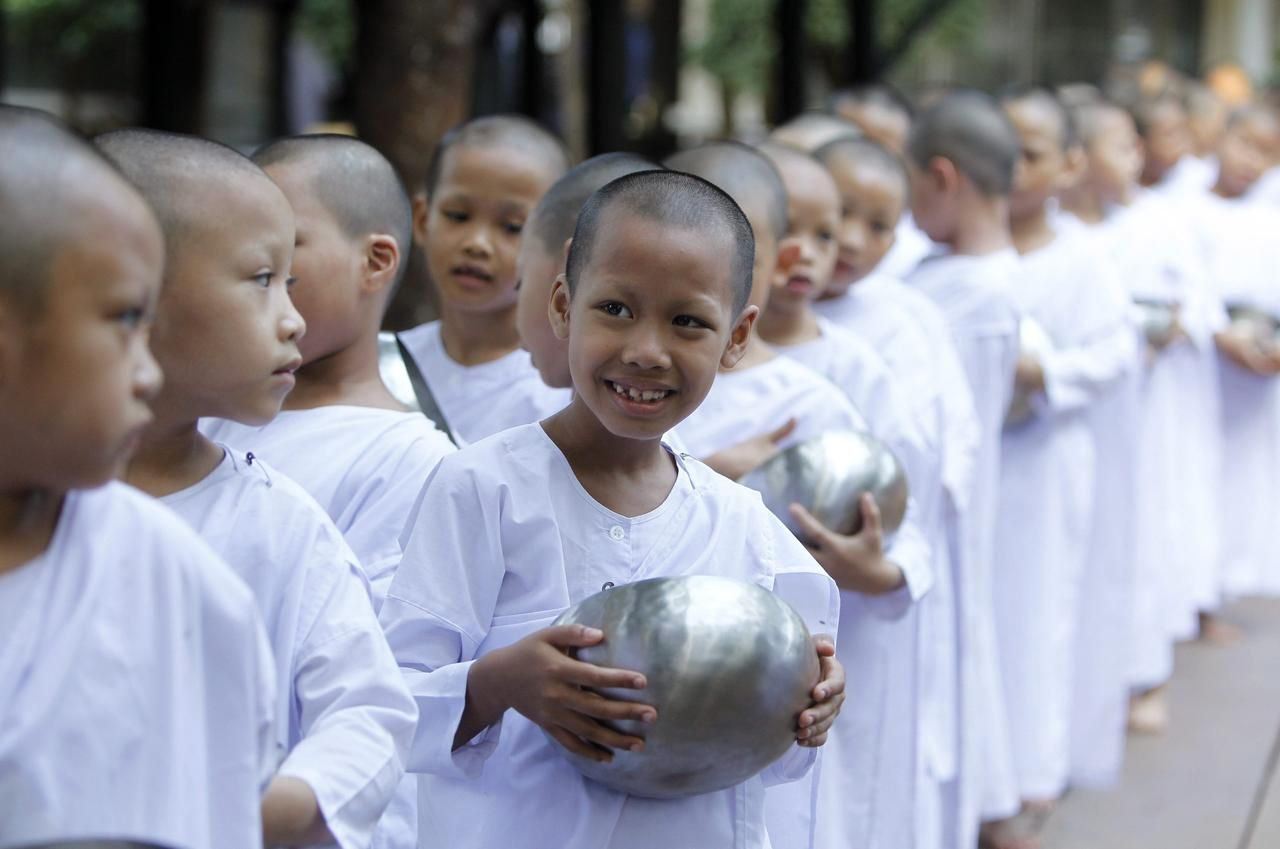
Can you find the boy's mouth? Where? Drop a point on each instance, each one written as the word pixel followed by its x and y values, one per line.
pixel 471 273
pixel 638 395
pixel 800 283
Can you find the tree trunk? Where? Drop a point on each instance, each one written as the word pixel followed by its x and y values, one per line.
pixel 414 61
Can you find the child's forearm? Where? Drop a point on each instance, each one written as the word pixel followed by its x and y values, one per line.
pixel 484 703
pixel 291 814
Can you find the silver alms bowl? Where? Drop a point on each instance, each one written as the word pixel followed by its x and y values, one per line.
pixel 827 475
pixel 1033 341
pixel 728 667
pixel 1159 320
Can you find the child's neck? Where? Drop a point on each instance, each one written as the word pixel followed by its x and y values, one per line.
pixel 631 477
pixel 757 353
pixel 349 376
pixel 1032 231
pixel 28 519
pixel 472 338
pixel 1221 190
pixel 173 455
pixel 787 323
pixel 983 228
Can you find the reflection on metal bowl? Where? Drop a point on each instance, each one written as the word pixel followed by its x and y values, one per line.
pixel 827 475
pixel 392 370
pixel 728 667
pixel 1159 320
pixel 1033 341
pixel 1256 322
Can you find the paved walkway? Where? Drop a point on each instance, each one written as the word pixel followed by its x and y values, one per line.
pixel 1211 782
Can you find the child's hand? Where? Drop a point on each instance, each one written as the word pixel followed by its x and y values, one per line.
pixel 857 562
pixel 538 678
pixel 1029 376
pixel 736 461
pixel 828 696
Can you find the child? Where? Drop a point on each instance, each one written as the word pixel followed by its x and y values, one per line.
pixel 909 331
pixel 962 153
pixel 485 178
pixel 777 395
pixel 1173 466
pixel 354 223
pixel 136 677
pixel 227 335
pixel 1168 167
pixel 851 774
pixel 1047 462
pixel 514 529
pixel 811 130
pixel 542 254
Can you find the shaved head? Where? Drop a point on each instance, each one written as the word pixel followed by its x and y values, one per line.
pixel 48 179
pixel 674 200
pixel 173 172
pixel 553 220
pixel 811 130
pixel 354 182
pixel 970 130
pixel 864 152
pixel 499 131
pixel 881 95
pixel 743 173
pixel 1051 103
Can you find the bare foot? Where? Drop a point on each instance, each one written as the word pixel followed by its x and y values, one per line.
pixel 1149 712
pixel 1012 833
pixel 1216 631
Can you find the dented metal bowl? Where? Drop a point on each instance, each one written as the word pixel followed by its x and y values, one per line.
pixel 728 665
pixel 827 475
pixel 1159 320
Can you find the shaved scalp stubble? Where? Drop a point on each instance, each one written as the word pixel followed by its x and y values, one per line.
pixel 878 94
pixel 969 129
pixel 48 177
pixel 671 199
pixel 355 183
pixel 742 172
pixel 514 131
pixel 554 218
pixel 865 152
pixel 1068 132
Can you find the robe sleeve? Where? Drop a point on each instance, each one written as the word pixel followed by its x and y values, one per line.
pixel 1077 376
pixel 356 718
pixel 438 611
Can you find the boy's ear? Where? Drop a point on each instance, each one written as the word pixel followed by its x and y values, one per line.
pixel 739 337
pixel 1075 165
pixel 381 261
pixel 421 205
pixel 943 173
pixel 558 308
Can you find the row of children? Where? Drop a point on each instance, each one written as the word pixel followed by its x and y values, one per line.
pixel 601 327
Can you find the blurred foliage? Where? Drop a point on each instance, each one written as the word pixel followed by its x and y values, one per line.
pixel 331 26
pixel 77 25
pixel 739 49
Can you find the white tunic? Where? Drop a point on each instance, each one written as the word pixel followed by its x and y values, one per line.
pixel 365 466
pixel 478 401
pixel 910 246
pixel 343 717
pixel 136 685
pixel 910 333
pixel 1241 255
pixel 1046 495
pixel 862 800
pixel 506 539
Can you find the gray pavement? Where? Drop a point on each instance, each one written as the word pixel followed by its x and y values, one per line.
pixel 1210 782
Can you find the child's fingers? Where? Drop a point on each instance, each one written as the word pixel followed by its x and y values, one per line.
pixel 588 729
pixel 783 432
pixel 601 677
pixel 597 706
pixel 577 745
pixel 832 681
pixel 571 636
pixel 818 533
pixel 871 523
pixel 825 644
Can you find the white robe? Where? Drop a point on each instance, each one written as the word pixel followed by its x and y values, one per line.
pixel 910 246
pixel 504 540
pixel 862 800
pixel 887 314
pixel 344 719
pixel 136 685
pixel 1242 255
pixel 365 466
pixel 1190 176
pixel 973 295
pixel 1046 493
pixel 478 401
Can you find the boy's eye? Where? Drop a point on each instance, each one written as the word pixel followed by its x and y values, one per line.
pixel 824 235
pixel 455 215
pixel 615 309
pixel 290 282
pixel 513 227
pixel 132 318
pixel 689 321
pixel 880 227
pixel 263 279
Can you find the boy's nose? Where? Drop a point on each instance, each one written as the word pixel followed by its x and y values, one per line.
pixel 645 350
pixel 478 243
pixel 147 375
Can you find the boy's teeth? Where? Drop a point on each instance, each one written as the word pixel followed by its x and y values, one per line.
pixel 638 394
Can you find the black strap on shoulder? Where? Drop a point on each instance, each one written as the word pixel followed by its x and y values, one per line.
pixel 422 390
